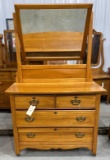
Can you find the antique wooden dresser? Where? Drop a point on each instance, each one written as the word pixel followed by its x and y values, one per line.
pixel 7 75
pixel 54 106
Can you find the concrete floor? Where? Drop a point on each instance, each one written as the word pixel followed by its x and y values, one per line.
pixel 7 152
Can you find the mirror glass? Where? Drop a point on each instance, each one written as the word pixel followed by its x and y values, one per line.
pixel 52 20
pixel 52 33
pixel 51 30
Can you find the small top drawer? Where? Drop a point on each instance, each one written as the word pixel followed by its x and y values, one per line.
pixel 76 102
pixel 41 101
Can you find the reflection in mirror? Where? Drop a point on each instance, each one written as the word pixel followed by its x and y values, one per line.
pixel 52 20
pixel 9 38
pixel 96 57
pixel 51 32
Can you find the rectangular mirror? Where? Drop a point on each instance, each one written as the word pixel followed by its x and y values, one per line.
pixel 53 32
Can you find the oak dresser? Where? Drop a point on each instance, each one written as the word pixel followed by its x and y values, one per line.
pixel 65 116
pixel 54 106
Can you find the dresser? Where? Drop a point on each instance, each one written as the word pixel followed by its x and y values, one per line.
pixel 54 106
pixel 7 77
pixel 65 116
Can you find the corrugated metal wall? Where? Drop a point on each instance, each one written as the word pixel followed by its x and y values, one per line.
pixel 101 17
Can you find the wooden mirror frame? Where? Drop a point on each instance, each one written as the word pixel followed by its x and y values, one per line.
pixel 10 54
pixel 54 6
pixel 44 73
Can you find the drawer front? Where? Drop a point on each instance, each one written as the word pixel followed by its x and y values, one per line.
pixel 4 75
pixel 23 102
pixel 56 118
pixel 4 98
pixel 4 103
pixel 56 135
pixel 4 85
pixel 76 102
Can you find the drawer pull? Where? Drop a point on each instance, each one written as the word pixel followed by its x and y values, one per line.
pixel 80 119
pixel 29 119
pixel 79 135
pixel 30 135
pixel 75 101
pixel 34 102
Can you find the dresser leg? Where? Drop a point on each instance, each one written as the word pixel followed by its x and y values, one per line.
pixel 107 100
pixel 94 155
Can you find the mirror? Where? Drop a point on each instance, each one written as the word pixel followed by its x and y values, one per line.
pixel 10 48
pixel 97 50
pixel 53 32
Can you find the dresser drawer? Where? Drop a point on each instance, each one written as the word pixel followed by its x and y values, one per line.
pixel 56 135
pixel 4 96
pixel 4 85
pixel 4 75
pixel 76 102
pixel 56 118
pixel 44 102
pixel 5 103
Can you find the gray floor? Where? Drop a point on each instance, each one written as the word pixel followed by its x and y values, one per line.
pixel 7 152
pixel 103 147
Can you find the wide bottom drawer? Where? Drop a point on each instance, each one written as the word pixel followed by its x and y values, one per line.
pixel 56 135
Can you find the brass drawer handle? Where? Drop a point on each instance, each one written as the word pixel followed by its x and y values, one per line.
pixel 1 83
pixel 80 119
pixel 34 102
pixel 79 135
pixel 30 135
pixel 29 119
pixel 75 101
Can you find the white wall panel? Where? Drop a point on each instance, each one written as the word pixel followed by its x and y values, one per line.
pixel 100 15
pixel 106 32
pixel 2 17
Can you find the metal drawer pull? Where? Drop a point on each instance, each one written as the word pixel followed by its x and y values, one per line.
pixel 80 119
pixel 29 119
pixel 75 102
pixel 79 135
pixel 34 102
pixel 30 135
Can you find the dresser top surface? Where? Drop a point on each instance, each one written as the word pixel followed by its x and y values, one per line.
pixel 55 88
